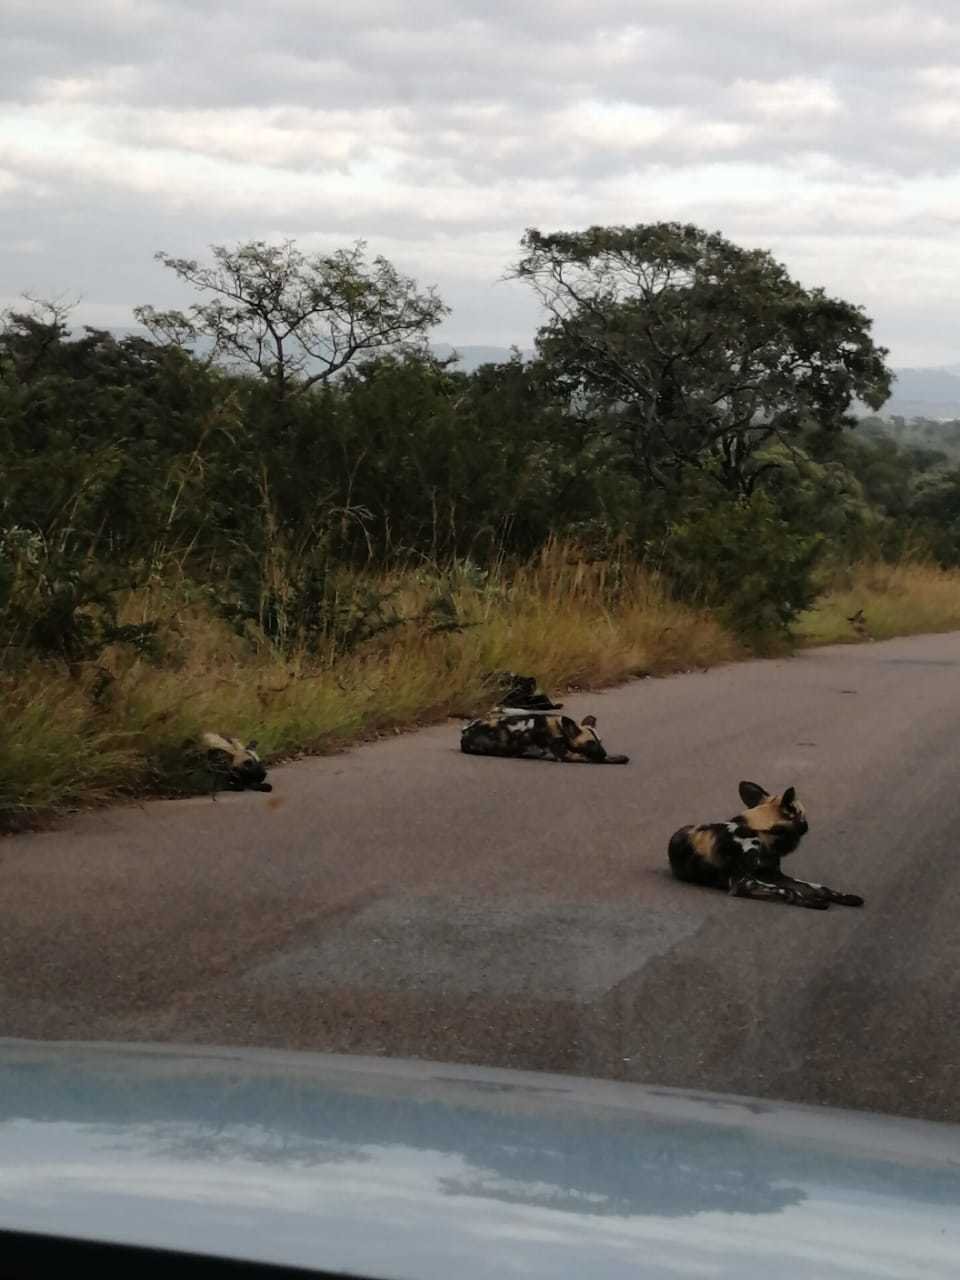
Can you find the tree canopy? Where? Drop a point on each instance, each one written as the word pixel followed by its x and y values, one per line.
pixel 686 408
pixel 296 319
pixel 693 352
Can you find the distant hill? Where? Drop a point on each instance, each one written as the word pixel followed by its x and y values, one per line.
pixel 471 356
pixel 924 393
pixel 917 393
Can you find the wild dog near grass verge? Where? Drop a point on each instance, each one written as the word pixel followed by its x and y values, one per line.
pixel 521 693
pixel 859 623
pixel 743 855
pixel 519 733
pixel 235 766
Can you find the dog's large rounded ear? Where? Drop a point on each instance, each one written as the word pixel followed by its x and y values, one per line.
pixel 752 794
pixel 252 745
pixel 589 721
pixel 790 795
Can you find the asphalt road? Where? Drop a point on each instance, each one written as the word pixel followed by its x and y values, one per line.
pixel 405 899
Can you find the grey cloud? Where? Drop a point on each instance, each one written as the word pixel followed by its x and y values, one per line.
pixel 212 52
pixel 502 113
pixel 537 57
pixel 82 248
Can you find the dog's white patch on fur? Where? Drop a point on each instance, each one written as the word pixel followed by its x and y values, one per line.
pixel 748 845
pixel 522 726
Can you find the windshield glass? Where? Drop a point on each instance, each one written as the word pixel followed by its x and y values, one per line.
pixel 408 413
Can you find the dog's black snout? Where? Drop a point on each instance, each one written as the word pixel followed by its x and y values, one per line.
pixel 251 773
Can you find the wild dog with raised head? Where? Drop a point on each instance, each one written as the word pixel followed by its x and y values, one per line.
pixel 521 693
pixel 743 855
pixel 235 766
pixel 547 736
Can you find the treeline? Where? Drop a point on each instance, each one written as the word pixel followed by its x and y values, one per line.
pixel 688 407
pixel 930 435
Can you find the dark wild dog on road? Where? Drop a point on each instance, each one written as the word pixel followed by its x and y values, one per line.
pixel 521 693
pixel 235 766
pixel 743 855
pixel 516 734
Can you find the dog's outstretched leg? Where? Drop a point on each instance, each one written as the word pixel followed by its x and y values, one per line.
pixel 827 894
pixel 748 886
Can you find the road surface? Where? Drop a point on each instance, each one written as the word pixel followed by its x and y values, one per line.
pixel 405 899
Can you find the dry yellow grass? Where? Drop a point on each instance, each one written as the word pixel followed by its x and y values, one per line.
pixel 569 622
pixel 909 598
pixel 53 751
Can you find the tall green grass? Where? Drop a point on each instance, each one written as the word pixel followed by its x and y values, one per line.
pixel 902 599
pixel 119 727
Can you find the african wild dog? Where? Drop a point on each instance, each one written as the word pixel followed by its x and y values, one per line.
pixel 859 623
pixel 521 693
pixel 518 733
pixel 237 766
pixel 743 855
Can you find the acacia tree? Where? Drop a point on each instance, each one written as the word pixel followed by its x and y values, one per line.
pixel 297 319
pixel 689 351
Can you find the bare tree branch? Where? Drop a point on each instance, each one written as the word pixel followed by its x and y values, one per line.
pixel 298 320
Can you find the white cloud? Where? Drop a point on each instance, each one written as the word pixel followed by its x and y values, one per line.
pixel 440 131
pixel 796 97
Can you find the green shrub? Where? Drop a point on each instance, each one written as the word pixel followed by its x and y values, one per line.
pixel 742 559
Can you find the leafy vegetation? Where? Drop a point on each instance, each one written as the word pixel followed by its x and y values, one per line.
pixel 280 513
pixel 67 740
pixel 694 353
pixel 893 600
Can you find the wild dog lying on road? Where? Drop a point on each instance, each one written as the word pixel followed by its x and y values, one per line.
pixel 521 693
pixel 743 855
pixel 519 733
pixel 238 767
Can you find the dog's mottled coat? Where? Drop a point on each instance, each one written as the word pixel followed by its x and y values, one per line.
pixel 523 733
pixel 521 693
pixel 743 855
pixel 235 766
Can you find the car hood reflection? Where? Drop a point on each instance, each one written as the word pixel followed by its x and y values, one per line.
pixel 415 1170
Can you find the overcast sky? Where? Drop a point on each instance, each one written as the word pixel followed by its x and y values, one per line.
pixel 825 130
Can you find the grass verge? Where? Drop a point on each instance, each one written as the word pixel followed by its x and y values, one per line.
pixel 119 728
pixel 902 599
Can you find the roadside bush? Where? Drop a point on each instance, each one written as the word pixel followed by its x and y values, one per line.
pixel 741 558
pixel 55 603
